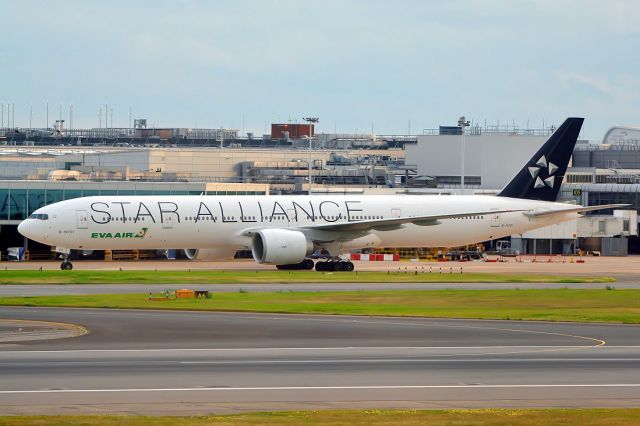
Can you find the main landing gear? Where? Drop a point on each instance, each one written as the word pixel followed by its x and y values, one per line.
pixel 324 266
pixel 334 265
pixel 306 264
pixel 66 265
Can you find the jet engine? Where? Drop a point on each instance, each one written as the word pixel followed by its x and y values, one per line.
pixel 280 246
pixel 209 254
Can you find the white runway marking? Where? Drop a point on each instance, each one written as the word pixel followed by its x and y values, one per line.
pixel 320 388
pixel 405 360
pixel 339 348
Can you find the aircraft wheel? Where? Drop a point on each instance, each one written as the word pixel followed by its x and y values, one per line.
pixel 66 266
pixel 283 267
pixel 339 266
pixel 307 264
pixel 348 266
pixel 321 266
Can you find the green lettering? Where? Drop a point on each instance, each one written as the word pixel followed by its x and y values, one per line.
pixel 141 234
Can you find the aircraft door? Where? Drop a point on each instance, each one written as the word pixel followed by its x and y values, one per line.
pixel 82 219
pixel 396 213
pixel 167 221
pixel 291 216
pixel 495 219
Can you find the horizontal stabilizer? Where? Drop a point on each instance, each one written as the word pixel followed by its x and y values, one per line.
pixel 575 210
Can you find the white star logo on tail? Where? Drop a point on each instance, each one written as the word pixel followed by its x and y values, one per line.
pixel 535 172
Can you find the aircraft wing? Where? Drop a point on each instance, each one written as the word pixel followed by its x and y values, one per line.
pixel 394 223
pixel 580 209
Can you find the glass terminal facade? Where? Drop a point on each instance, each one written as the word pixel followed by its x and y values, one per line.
pixel 18 199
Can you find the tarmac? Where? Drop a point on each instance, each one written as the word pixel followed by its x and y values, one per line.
pixel 166 362
pixel 31 290
pixel 625 269
pixel 187 363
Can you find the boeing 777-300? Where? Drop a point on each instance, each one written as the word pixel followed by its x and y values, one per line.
pixel 287 230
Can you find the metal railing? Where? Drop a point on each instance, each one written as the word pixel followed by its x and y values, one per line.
pixel 512 130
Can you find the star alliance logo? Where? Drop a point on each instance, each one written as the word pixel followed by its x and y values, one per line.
pixel 535 173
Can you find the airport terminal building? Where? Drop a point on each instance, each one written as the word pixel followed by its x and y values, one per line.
pixel 427 164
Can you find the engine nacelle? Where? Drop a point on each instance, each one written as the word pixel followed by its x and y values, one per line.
pixel 280 246
pixel 209 254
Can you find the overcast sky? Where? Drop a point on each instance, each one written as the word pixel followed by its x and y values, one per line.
pixel 353 64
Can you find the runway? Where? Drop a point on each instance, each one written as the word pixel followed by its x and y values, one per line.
pixel 22 290
pixel 161 362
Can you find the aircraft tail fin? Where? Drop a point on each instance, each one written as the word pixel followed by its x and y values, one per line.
pixel 541 177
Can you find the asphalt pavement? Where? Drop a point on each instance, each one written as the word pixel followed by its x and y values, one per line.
pixel 167 362
pixel 80 289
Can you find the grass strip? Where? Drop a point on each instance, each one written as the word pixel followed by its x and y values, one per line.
pixel 512 417
pixel 255 277
pixel 583 305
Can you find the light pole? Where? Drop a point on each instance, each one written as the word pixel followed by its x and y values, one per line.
pixel 311 121
pixel 462 123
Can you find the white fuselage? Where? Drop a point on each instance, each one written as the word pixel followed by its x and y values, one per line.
pixel 225 222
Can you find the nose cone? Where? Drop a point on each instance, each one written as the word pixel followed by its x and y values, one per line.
pixel 23 228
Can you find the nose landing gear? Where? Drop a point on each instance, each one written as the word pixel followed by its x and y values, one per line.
pixel 66 265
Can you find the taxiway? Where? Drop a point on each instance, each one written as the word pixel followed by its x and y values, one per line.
pixel 30 290
pixel 198 362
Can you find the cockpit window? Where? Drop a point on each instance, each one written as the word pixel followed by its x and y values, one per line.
pixel 39 216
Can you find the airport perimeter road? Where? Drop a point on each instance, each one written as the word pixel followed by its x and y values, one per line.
pixel 198 362
pixel 10 290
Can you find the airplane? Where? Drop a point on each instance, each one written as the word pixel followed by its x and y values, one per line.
pixel 287 230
